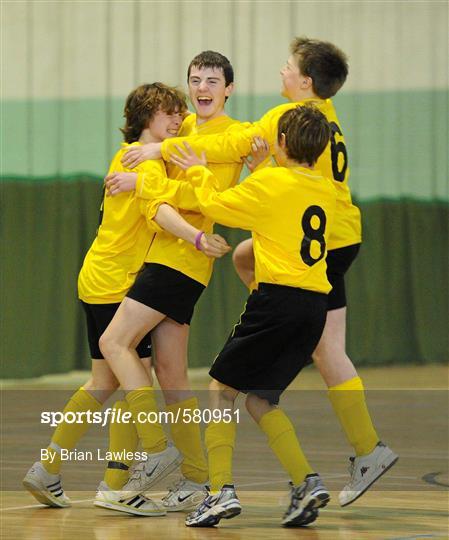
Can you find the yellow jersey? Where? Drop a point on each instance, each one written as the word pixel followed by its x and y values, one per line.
pixel 166 249
pixel 230 147
pixel 122 242
pixel 290 213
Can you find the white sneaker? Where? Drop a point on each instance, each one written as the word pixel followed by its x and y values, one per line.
pixel 365 470
pixel 137 505
pixel 225 504
pixel 184 496
pixel 45 487
pixel 157 466
pixel 305 500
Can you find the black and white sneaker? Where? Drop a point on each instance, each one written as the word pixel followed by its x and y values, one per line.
pixel 225 504
pixel 45 487
pixel 184 496
pixel 137 505
pixel 305 500
pixel 365 470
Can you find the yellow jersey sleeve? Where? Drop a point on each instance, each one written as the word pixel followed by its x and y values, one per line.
pixel 148 209
pixel 241 206
pixel 233 144
pixel 153 175
pixel 177 193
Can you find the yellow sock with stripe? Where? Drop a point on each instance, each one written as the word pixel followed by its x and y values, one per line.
pixel 67 435
pixel 143 402
pixel 285 444
pixel 123 438
pixel 186 436
pixel 220 440
pixel 348 401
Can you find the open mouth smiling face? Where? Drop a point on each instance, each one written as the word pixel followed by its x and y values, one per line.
pixel 208 92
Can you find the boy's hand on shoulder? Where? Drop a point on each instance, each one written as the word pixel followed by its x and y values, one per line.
pixel 137 154
pixel 187 157
pixel 120 182
pixel 260 151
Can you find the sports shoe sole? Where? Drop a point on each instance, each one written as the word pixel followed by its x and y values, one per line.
pixel 42 496
pixel 310 517
pixel 213 518
pixel 383 471
pixel 119 507
pixel 309 513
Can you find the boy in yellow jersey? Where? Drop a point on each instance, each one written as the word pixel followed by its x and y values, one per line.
pixel 162 300
pixel 289 209
pixel 153 112
pixel 314 72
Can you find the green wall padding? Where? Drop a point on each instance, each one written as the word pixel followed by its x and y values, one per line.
pixel 397 141
pixel 398 288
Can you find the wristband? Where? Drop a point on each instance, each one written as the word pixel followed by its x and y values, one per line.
pixel 198 240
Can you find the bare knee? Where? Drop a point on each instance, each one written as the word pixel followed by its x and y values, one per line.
pixel 257 407
pixel 108 345
pixel 221 395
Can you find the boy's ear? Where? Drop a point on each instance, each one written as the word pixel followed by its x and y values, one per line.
pixel 282 141
pixel 229 89
pixel 306 83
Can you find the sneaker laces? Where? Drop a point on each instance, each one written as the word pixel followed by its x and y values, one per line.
pixel 173 488
pixel 203 506
pixel 136 470
pixel 296 495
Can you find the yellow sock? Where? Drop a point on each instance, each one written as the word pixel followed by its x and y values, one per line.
pixel 67 435
pixel 142 401
pixel 348 401
pixel 252 285
pixel 186 436
pixel 220 440
pixel 285 445
pixel 123 438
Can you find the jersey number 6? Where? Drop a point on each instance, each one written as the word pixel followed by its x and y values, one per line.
pixel 338 148
pixel 311 233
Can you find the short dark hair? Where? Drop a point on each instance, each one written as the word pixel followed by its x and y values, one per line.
pixel 212 59
pixel 307 133
pixel 144 102
pixel 323 62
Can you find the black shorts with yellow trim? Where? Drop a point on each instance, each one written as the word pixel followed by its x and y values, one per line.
pixel 338 263
pixel 168 291
pixel 98 317
pixel 274 339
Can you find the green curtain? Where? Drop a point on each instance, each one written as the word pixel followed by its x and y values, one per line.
pixel 397 288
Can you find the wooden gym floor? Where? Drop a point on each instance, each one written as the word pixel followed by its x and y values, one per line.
pixel 410 409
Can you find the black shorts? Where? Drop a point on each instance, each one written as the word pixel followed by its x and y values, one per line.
pixel 168 291
pixel 338 263
pixel 98 317
pixel 273 341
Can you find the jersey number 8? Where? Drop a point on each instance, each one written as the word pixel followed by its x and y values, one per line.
pixel 311 233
